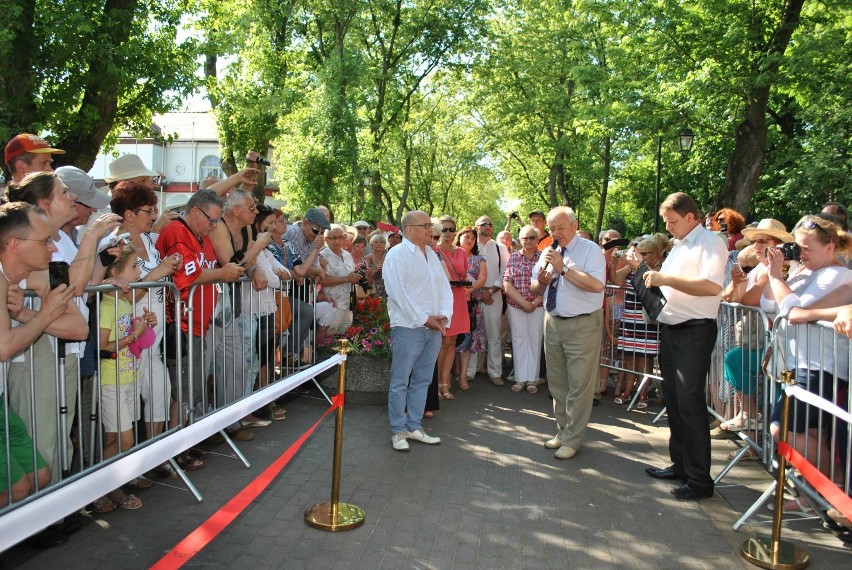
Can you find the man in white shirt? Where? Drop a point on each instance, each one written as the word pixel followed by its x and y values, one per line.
pixel 496 257
pixel 420 306
pixel 571 278
pixel 691 280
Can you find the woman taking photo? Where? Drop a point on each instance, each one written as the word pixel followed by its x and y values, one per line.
pixel 525 311
pixel 821 243
pixel 455 266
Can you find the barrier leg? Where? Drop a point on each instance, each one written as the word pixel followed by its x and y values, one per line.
pixel 336 516
pixel 773 552
pixel 185 479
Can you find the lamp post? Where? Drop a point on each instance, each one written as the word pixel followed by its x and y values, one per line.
pixel 684 142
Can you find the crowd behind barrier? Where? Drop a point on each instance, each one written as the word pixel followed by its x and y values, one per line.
pixel 116 410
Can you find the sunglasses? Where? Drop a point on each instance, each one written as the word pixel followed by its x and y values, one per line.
pixel 746 269
pixel 812 225
pixel 448 230
pixel 485 224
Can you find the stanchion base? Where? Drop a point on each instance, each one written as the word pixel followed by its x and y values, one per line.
pixel 348 517
pixel 759 552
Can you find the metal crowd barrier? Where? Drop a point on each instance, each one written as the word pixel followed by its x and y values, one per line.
pixel 64 408
pixel 623 355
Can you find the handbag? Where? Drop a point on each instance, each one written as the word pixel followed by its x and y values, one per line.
pixel 472 304
pixel 223 314
pixel 283 314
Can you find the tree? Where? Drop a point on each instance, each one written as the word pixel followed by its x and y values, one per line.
pixel 91 69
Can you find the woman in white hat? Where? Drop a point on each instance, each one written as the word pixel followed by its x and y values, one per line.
pixel 742 363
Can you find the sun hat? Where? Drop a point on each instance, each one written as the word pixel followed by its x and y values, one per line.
pixel 83 185
pixel 24 143
pixel 126 167
pixel 768 227
pixel 176 201
pixel 362 224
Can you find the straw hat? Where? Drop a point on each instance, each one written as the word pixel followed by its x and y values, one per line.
pixel 769 227
pixel 126 167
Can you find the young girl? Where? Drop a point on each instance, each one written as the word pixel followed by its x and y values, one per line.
pixel 120 335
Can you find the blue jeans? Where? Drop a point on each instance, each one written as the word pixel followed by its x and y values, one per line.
pixel 415 352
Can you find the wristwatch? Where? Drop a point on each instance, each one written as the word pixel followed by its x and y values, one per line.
pixel 564 271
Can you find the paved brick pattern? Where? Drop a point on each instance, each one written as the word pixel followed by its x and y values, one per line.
pixel 490 496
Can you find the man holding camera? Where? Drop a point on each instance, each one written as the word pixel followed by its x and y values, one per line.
pixel 691 280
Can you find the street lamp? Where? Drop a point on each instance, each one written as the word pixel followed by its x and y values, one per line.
pixel 684 142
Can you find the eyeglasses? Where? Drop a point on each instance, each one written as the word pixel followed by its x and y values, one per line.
pixel 46 242
pixel 213 221
pixel 644 253
pixel 485 224
pixel 607 239
pixel 253 207
pixel 426 226
pixel 528 238
pixel 448 230
pixel 149 211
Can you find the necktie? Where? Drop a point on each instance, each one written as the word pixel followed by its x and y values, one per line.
pixel 551 295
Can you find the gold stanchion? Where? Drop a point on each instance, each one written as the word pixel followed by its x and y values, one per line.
pixel 335 516
pixel 773 552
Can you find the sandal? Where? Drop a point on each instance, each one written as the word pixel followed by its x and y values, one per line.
pixel 139 484
pixel 795 507
pixel 531 388
pixel 463 385
pixel 103 505
pixel 162 471
pixel 276 412
pixel 444 392
pixel 621 399
pixel 428 414
pixel 517 386
pixel 643 403
pixel 128 502
pixel 750 455
pixel 189 463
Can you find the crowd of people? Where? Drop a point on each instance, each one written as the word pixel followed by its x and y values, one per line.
pixel 582 316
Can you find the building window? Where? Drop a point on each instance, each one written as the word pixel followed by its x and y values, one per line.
pixel 210 166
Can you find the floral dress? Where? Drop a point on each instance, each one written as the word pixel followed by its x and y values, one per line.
pixel 474 341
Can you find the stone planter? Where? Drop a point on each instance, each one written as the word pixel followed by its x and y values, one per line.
pixel 367 380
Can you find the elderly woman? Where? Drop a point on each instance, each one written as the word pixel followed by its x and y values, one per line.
pixel 525 311
pixel 742 363
pixel 473 341
pixel 638 339
pixel 817 370
pixel 337 286
pixel 374 263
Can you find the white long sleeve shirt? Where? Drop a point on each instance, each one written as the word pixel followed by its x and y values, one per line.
pixel 416 286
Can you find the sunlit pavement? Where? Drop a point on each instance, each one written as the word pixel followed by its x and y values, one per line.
pixel 490 496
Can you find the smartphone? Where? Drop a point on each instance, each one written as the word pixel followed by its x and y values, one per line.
pixel 58 273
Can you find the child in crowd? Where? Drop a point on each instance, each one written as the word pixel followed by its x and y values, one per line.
pixel 122 337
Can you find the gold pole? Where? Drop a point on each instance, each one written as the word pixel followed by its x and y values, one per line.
pixel 774 553
pixel 335 516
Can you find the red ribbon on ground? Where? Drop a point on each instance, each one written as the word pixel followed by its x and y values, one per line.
pixel 186 549
pixel 824 486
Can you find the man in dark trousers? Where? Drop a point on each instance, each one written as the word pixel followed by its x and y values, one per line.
pixel 691 280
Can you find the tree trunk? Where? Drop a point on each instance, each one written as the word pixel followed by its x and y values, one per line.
pixel 746 163
pixel 605 188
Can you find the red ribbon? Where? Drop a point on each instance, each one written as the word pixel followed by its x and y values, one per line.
pixel 186 549
pixel 824 486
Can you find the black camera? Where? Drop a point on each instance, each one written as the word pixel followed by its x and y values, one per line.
pixel 791 251
pixel 260 160
pixel 365 285
pixel 515 216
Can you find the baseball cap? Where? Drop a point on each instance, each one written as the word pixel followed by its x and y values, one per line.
pixel 83 185
pixel 25 143
pixel 317 218
pixel 537 213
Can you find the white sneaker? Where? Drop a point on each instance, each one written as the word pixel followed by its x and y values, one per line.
pixel 422 437
pixel 399 442
pixel 553 443
pixel 565 452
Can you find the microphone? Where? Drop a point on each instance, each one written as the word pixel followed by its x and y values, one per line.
pixel 554 245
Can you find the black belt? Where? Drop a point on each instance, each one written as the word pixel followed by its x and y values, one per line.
pixel 692 323
pixel 574 317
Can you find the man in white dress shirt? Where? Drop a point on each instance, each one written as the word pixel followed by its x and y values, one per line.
pixel 691 280
pixel 571 279
pixel 420 306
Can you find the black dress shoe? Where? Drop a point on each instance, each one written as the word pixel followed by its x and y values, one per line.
pixel 665 473
pixel 687 493
pixel 69 525
pixel 47 538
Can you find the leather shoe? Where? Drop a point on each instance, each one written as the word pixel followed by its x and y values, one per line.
pixel 71 524
pixel 48 538
pixel 665 473
pixel 687 493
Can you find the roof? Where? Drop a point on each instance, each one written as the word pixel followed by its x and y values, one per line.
pixel 189 126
